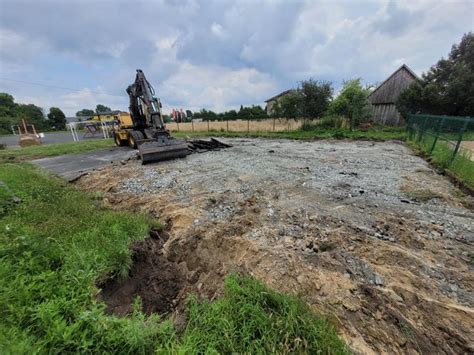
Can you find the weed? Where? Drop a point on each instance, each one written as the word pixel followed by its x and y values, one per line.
pixel 462 167
pixel 250 318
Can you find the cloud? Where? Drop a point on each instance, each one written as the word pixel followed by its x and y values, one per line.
pixel 216 53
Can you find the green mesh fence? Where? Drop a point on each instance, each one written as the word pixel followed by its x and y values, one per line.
pixel 444 137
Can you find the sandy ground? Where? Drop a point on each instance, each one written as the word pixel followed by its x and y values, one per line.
pixel 367 233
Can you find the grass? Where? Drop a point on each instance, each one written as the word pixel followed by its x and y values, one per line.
pixel 58 243
pixel 375 134
pixel 48 150
pixel 462 167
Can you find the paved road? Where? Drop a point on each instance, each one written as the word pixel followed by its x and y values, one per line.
pixel 57 137
pixel 72 166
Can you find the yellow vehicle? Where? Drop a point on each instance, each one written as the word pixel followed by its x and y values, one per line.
pixel 144 128
pixel 121 123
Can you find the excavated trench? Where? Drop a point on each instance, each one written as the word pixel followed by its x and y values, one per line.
pixel 155 279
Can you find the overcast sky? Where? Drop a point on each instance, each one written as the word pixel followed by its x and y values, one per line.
pixel 213 54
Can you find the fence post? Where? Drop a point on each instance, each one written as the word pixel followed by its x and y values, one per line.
pixel 192 124
pixel 227 123
pixel 208 124
pixel 438 131
pixel 248 125
pixel 177 125
pixel 274 124
pixel 458 143
pixel 422 130
pixel 409 127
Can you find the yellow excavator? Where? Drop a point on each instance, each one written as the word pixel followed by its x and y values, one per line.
pixel 146 130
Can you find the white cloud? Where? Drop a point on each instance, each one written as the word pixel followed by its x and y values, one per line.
pixel 217 54
pixel 217 88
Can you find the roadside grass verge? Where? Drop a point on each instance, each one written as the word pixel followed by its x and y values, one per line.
pixel 49 150
pixel 375 134
pixel 462 167
pixel 58 243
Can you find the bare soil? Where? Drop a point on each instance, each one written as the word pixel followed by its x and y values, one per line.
pixel 366 233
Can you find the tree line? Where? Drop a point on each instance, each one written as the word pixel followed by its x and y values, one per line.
pixel 11 114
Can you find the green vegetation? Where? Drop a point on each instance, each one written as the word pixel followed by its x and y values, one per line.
pixel 312 131
pixel 446 89
pixel 253 112
pixel 310 100
pixel 251 319
pixel 49 150
pixel 352 102
pixel 58 243
pixel 462 167
pixel 11 114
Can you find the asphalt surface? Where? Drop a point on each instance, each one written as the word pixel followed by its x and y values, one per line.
pixel 56 137
pixel 72 166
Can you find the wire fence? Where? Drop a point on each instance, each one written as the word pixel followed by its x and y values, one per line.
pixel 443 137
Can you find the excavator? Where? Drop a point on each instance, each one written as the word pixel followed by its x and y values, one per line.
pixel 147 131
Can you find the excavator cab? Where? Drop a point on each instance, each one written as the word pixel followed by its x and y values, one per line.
pixel 148 132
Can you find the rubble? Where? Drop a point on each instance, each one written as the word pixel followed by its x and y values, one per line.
pixel 283 212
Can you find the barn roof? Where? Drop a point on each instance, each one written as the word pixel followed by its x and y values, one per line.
pixel 280 94
pixel 389 90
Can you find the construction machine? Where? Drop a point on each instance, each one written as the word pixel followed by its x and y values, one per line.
pixel 148 132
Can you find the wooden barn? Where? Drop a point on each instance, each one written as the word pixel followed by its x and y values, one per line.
pixel 383 98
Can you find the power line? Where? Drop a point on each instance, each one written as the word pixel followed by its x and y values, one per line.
pixel 56 87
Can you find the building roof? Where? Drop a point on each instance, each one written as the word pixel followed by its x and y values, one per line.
pixel 280 94
pixel 389 90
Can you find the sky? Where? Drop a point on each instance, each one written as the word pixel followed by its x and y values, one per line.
pixel 213 54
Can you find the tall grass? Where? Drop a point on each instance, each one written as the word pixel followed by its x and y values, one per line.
pixel 442 156
pixel 58 243
pixel 252 319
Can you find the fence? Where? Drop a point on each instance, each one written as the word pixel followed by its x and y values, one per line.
pixel 240 125
pixel 442 137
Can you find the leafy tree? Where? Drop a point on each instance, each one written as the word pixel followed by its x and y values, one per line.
pixel 315 97
pixel 289 106
pixel 57 118
pixel 352 102
pixel 310 100
pixel 250 112
pixel 7 105
pixel 33 115
pixel 85 112
pixel 447 88
pixel 101 109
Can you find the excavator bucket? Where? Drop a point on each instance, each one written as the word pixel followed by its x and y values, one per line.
pixel 162 149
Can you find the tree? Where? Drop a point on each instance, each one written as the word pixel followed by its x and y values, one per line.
pixel 352 102
pixel 101 109
pixel 57 119
pixel 33 115
pixel 447 88
pixel 85 112
pixel 289 106
pixel 315 97
pixel 310 100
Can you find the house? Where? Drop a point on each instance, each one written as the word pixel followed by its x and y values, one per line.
pixel 273 100
pixel 383 98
